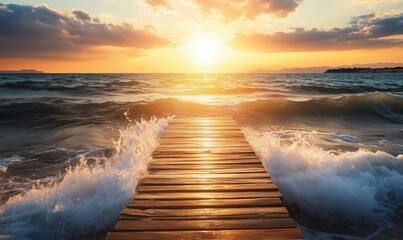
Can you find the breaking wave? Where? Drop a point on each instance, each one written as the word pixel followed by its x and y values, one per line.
pixel 380 105
pixel 349 187
pixel 90 196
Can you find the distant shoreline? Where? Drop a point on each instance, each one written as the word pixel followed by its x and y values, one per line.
pixel 365 70
pixel 30 71
pixel 330 70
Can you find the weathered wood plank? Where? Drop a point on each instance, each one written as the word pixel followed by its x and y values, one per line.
pixel 209 171
pixel 200 135
pixel 210 176
pixel 205 139
pixel 206 195
pixel 204 127
pixel 201 150
pixel 206 213
pixel 205 156
pixel 151 181
pixel 205 203
pixel 161 225
pixel 203 162
pixel 200 166
pixel 203 130
pixel 209 188
pixel 204 145
pixel 208 157
pixel 258 234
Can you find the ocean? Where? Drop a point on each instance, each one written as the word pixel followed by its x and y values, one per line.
pixel 73 146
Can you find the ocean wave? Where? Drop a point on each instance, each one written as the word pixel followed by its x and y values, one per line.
pixel 60 112
pixel 382 105
pixel 65 87
pixel 349 187
pixel 7 161
pixel 344 89
pixel 90 195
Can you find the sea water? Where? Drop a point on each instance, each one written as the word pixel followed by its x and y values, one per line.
pixel 73 146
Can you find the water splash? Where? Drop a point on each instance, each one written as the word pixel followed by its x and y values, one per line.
pixel 350 187
pixel 90 195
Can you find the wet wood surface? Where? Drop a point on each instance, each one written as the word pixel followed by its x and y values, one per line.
pixel 205 182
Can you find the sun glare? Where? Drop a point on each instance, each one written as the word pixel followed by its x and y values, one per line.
pixel 205 48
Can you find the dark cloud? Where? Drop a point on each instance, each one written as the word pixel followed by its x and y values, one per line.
pixel 363 32
pixel 82 15
pixel 234 9
pixel 27 31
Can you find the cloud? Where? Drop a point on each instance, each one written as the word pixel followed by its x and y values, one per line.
pixel 234 9
pixel 27 31
pixel 363 32
pixel 159 3
pixel 82 15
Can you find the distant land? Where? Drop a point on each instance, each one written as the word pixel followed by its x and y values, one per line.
pixel 322 69
pixel 21 71
pixel 365 70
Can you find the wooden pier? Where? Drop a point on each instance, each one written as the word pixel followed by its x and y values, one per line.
pixel 205 182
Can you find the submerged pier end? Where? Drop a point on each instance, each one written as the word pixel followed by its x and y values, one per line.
pixel 205 182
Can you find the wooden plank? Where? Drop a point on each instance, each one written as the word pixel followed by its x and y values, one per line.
pixel 175 124
pixel 201 163
pixel 205 203
pixel 206 213
pixel 201 166
pixel 209 133
pixel 200 150
pixel 209 120
pixel 207 195
pixel 211 176
pixel 151 181
pixel 209 156
pixel 218 125
pixel 228 141
pixel 204 148
pixel 204 145
pixel 188 127
pixel 256 234
pixel 207 129
pixel 201 135
pixel 203 123
pixel 206 139
pixel 209 188
pixel 161 225
pixel 209 171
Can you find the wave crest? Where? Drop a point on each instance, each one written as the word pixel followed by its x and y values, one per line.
pixel 359 187
pixel 382 105
pixel 90 195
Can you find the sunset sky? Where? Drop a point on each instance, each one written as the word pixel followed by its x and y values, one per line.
pixel 198 35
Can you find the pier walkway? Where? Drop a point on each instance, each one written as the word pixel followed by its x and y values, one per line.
pixel 205 182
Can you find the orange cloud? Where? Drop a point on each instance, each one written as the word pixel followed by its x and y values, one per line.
pixel 41 32
pixel 159 3
pixel 363 32
pixel 234 9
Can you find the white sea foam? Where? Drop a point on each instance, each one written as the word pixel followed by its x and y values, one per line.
pixel 336 187
pixel 5 162
pixel 90 197
pixel 342 137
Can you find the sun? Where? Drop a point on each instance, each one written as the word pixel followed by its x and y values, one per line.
pixel 205 48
